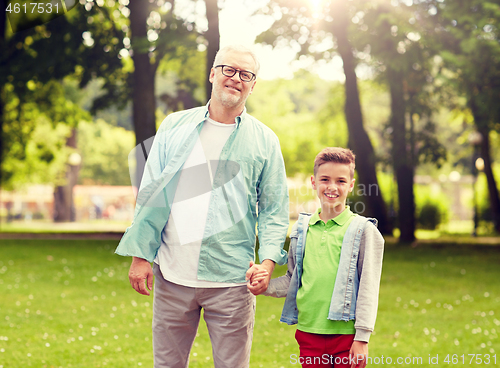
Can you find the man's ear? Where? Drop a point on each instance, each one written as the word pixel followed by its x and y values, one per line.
pixel 212 75
pixel 251 88
pixel 313 182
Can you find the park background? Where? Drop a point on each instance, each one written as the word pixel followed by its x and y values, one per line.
pixel 411 86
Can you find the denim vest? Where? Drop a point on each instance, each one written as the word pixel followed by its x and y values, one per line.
pixel 345 291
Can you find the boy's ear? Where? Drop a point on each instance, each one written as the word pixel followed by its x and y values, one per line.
pixel 351 187
pixel 313 182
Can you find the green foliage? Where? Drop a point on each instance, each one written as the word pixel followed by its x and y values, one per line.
pixel 431 206
pixel 472 51
pixel 35 132
pixel 84 43
pixel 307 114
pixel 180 79
pixel 429 216
pixel 104 149
pixel 42 160
pixel 297 114
pixel 33 65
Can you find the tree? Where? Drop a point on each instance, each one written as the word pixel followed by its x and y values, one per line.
pixel 155 31
pixel 38 58
pixel 213 39
pixel 393 40
pixel 312 30
pixel 469 39
pixel 88 43
pixel 380 29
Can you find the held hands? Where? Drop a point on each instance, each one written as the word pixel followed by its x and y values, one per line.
pixel 258 276
pixel 358 354
pixel 140 275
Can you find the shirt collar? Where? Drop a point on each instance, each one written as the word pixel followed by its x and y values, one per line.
pixel 339 220
pixel 238 119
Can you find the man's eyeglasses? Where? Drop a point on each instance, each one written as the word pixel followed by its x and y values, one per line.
pixel 229 71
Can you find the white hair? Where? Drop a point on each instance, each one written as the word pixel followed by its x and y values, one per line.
pixel 237 48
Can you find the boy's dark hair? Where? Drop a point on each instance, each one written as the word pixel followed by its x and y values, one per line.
pixel 335 154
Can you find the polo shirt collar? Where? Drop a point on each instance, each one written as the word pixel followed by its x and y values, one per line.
pixel 339 220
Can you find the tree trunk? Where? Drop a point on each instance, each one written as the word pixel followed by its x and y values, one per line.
pixel 213 38
pixel 64 207
pixel 1 130
pixel 481 119
pixel 143 80
pixel 358 138
pixel 490 178
pixel 3 24
pixel 403 165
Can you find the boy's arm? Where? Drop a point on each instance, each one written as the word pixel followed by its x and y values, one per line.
pixel 278 287
pixel 358 355
pixel 370 269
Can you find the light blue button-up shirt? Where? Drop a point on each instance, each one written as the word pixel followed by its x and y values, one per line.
pixel 249 188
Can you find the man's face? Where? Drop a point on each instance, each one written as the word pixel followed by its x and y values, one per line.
pixel 232 92
pixel 333 183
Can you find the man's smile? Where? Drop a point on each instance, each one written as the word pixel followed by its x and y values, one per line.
pixel 233 88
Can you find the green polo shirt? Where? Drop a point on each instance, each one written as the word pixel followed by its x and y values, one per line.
pixel 321 262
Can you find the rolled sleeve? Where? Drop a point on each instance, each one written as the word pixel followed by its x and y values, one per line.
pixel 272 222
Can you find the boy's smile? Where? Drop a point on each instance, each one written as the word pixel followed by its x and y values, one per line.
pixel 332 183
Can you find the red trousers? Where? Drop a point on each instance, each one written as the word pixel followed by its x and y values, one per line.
pixel 323 351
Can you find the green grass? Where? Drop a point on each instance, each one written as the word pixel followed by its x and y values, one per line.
pixel 48 226
pixel 68 304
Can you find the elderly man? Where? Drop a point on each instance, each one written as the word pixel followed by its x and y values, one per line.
pixel 213 173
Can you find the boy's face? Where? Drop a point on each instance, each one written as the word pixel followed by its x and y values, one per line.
pixel 332 184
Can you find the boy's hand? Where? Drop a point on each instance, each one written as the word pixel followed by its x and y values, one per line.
pixel 258 276
pixel 358 354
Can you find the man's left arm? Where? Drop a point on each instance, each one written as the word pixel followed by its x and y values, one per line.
pixel 272 221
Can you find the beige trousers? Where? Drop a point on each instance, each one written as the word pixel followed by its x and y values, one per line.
pixel 228 312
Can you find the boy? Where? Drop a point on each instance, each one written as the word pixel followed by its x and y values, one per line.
pixel 334 268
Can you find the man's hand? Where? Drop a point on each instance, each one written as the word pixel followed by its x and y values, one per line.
pixel 358 354
pixel 259 276
pixel 140 275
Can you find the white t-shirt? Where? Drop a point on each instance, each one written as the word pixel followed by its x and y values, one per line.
pixel 182 236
